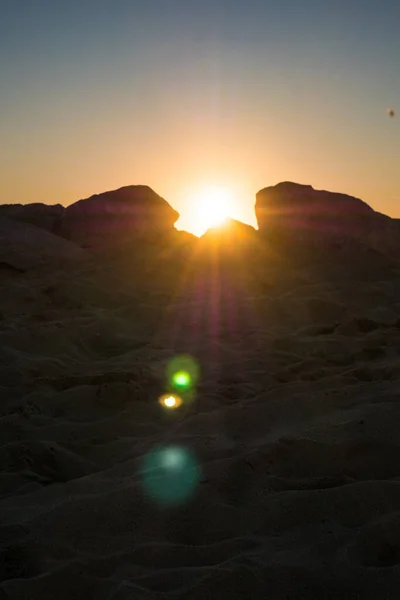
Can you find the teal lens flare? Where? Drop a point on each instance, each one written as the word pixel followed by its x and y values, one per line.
pixel 169 475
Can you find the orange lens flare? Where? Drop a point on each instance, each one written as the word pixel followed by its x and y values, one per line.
pixel 170 401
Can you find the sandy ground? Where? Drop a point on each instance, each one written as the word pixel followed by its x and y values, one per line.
pixel 293 432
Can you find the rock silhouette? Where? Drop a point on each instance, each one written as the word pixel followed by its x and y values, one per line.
pixel 131 211
pixel 295 214
pixel 24 246
pixel 39 214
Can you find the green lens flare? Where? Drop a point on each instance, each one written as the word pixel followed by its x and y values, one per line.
pixel 183 373
pixel 181 379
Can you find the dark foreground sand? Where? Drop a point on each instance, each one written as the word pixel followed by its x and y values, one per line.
pixel 294 427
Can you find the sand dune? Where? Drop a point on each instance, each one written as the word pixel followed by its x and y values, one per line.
pixel 292 429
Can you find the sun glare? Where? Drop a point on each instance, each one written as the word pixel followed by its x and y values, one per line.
pixel 209 207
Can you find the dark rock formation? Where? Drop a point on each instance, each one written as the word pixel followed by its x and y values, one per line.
pixel 24 246
pixel 290 212
pixel 242 253
pixel 299 210
pixel 232 234
pixel 127 213
pixel 42 215
pixel 232 241
pixel 338 236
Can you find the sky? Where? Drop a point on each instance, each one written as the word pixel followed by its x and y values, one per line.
pixel 185 94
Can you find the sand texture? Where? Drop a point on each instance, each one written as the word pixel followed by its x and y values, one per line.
pixel 293 427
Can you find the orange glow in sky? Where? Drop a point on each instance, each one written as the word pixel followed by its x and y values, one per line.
pixel 203 103
pixel 207 207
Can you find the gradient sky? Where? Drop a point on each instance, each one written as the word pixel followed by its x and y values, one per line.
pixel 178 94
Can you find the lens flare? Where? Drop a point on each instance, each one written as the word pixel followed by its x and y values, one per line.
pixel 181 379
pixel 169 475
pixel 182 372
pixel 170 401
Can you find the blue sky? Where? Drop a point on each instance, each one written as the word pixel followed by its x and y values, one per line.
pixel 176 94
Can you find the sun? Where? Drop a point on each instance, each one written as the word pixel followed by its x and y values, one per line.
pixel 209 207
